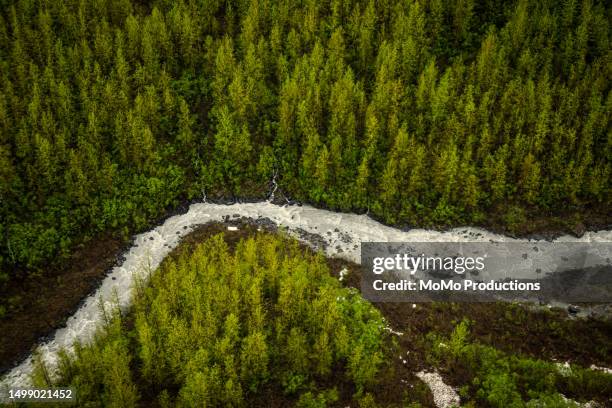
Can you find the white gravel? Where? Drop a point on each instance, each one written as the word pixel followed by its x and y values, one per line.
pixel 598 368
pixel 444 395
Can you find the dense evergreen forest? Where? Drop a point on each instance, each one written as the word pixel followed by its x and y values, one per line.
pixel 423 112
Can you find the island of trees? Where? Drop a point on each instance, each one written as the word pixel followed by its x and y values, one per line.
pixel 264 324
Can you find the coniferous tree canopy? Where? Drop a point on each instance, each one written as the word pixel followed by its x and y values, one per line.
pixel 422 112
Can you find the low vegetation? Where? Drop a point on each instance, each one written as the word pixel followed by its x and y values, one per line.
pixel 498 379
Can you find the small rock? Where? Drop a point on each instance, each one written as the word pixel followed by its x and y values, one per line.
pixel 579 229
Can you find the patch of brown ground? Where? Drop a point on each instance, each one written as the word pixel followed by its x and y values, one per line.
pixel 544 334
pixel 45 303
